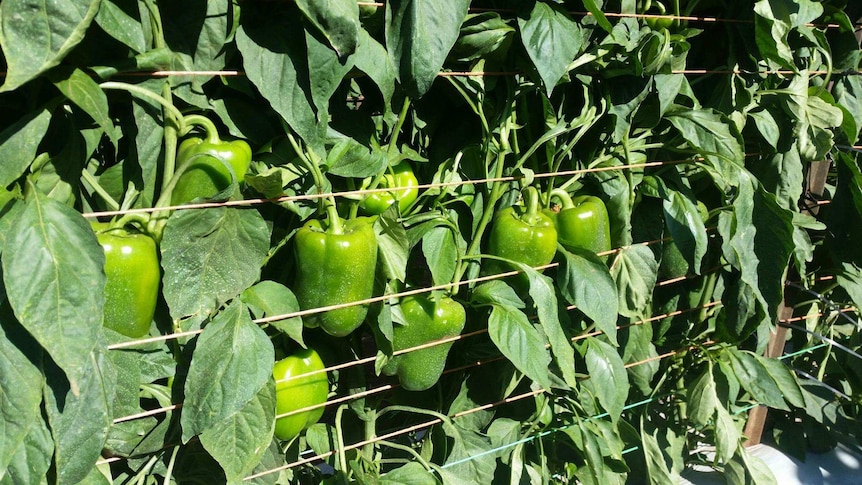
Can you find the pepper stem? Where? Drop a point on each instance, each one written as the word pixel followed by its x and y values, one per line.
pixel 531 204
pixel 205 123
pixel 333 221
pixel 564 197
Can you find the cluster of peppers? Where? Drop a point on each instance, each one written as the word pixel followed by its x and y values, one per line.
pixel 529 235
pixel 132 269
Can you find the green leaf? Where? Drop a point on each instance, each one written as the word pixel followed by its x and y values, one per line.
pixel 545 298
pixel 19 142
pixel 786 380
pixel 121 19
pixel 372 59
pixel 441 253
pixel 82 90
pixel 337 20
pixel 712 138
pixel 80 420
pixel 635 271
pixel 419 36
pixel 56 293
pixel 727 434
pixel 231 363
pixel 663 455
pixel 755 379
pixel 268 298
pixel 326 71
pixel 685 225
pixel 37 36
pixel 512 333
pixel 32 459
pixel 703 400
pixel 773 23
pixel 758 240
pixel 392 244
pixel 210 256
pixel 275 61
pixel 349 158
pixel 552 40
pixel 584 280
pixel 599 15
pixel 638 347
pixel 411 473
pixel 239 442
pixel 496 292
pixel 20 391
pixel 608 380
pixel 469 459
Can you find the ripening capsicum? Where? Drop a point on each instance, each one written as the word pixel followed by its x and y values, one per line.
pixel 201 165
pixel 426 319
pixel 401 175
pixel 300 382
pixel 133 275
pixel 582 222
pixel 335 263
pixel 523 234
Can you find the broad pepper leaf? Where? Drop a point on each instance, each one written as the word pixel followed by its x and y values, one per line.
pixel 82 90
pixel 80 421
pixel 372 59
pixel 55 293
pixel 268 298
pixel 19 142
pixel 231 363
pixel 36 36
pixel 419 36
pixel 337 20
pixel 239 442
pixel 552 40
pixel 635 272
pixel 702 399
pixel 520 342
pixel 755 378
pixel 20 387
pixel 209 256
pixel 585 281
pixel 32 459
pixel 608 380
pixel 685 225
pixel 276 63
pixel 121 19
pixel 441 253
pixel 326 70
pixel 412 473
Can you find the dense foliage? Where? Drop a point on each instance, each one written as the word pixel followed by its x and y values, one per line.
pixel 362 180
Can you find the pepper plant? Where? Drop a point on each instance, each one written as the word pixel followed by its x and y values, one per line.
pixel 450 241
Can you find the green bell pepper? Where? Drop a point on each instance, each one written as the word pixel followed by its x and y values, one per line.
pixel 201 165
pixel 401 175
pixel 582 222
pixel 523 234
pixel 427 319
pixel 133 276
pixel 334 265
pixel 296 389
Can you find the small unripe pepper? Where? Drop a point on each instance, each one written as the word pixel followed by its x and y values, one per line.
pixel 133 275
pixel 401 175
pixel 427 319
pixel 335 264
pixel 296 388
pixel 582 222
pixel 523 234
pixel 203 163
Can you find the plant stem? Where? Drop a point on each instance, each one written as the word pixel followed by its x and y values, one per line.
pixel 94 184
pixel 145 94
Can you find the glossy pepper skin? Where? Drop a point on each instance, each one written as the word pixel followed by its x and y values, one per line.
pixel 333 267
pixel 206 175
pixel 401 175
pixel 427 320
pixel 582 222
pixel 133 275
pixel 523 234
pixel 293 393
